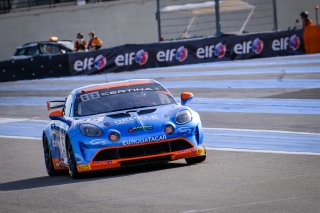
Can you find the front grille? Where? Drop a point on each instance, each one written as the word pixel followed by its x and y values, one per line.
pixel 142 150
pixel 146 161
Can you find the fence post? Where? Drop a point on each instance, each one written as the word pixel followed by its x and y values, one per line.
pixel 218 24
pixel 158 20
pixel 275 18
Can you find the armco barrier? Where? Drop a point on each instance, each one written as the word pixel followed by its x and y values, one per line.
pixel 34 68
pixel 142 56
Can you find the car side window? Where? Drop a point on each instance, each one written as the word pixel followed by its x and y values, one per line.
pixel 67 106
pixel 31 51
pixel 20 52
pixel 50 49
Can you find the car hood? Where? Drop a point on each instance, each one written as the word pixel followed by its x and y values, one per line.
pixel 136 123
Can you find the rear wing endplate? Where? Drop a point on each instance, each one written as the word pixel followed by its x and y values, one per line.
pixel 55 104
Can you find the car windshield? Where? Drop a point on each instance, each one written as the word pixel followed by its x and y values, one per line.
pixel 67 44
pixel 121 98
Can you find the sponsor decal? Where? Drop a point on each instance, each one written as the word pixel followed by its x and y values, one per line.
pixel 98 142
pixel 119 90
pixel 88 64
pixel 186 150
pixel 144 140
pixel 246 47
pixel 205 52
pixel 294 42
pixel 211 51
pixel 220 50
pixel 139 128
pixel 182 54
pixel 140 57
pixel 102 162
pixel 100 62
pixel 184 130
pixel 284 43
pixel 201 151
pixel 257 46
pixel 82 168
pixel 168 55
pixel 133 118
pixel 99 94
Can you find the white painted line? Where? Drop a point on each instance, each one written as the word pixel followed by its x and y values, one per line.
pixel 10 120
pixel 20 137
pixel 241 205
pixel 262 130
pixel 262 151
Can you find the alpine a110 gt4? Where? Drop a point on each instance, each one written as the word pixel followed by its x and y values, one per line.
pixel 120 124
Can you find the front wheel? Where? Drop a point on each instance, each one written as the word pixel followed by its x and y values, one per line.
pixel 48 158
pixel 73 171
pixel 195 160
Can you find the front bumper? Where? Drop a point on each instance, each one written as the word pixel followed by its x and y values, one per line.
pixel 133 155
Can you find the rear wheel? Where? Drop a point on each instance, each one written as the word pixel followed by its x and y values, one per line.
pixel 73 171
pixel 48 158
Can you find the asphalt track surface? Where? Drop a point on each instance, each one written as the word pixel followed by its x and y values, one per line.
pixel 264 145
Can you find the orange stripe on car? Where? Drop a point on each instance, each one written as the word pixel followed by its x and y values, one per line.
pixel 107 86
pixel 176 155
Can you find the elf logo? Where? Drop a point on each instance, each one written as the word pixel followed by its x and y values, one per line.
pixel 100 62
pixel 246 47
pixel 220 50
pixel 284 43
pixel 180 54
pixel 211 51
pixel 88 64
pixel 294 42
pixel 140 57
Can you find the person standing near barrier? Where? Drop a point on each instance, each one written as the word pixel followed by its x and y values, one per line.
pixel 80 44
pixel 95 42
pixel 306 21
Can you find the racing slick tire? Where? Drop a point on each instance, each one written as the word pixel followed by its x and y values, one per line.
pixel 48 158
pixel 195 160
pixel 73 171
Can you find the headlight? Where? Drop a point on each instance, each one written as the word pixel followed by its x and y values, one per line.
pixel 183 117
pixel 90 130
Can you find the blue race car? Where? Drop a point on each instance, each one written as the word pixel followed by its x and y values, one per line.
pixel 120 124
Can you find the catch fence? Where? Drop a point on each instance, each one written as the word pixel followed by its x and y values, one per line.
pixel 181 19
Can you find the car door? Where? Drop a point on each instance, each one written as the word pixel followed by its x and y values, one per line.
pixel 59 131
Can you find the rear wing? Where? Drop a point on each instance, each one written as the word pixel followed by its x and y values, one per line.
pixel 55 104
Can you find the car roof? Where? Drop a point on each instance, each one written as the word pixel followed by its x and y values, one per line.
pixel 35 43
pixel 96 87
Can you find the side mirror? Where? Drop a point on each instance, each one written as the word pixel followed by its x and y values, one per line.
pixel 57 115
pixel 186 97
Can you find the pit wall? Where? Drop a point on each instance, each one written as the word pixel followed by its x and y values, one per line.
pixel 142 56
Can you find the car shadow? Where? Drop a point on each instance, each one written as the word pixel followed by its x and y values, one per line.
pixel 64 178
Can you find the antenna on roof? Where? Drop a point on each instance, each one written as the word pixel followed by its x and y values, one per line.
pixel 106 77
